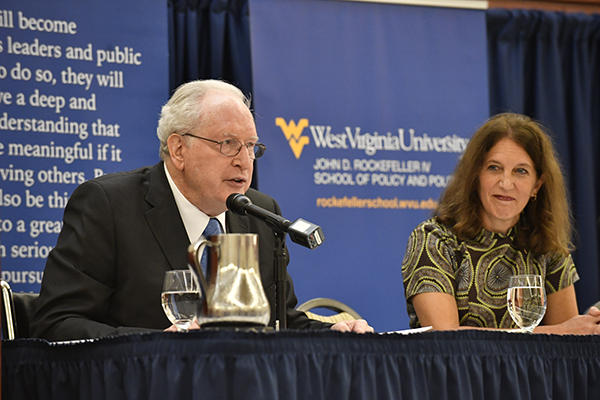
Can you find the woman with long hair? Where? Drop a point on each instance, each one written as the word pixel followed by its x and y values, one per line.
pixel 504 212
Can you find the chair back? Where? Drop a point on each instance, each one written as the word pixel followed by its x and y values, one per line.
pixel 24 304
pixel 9 320
pixel 17 311
pixel 342 311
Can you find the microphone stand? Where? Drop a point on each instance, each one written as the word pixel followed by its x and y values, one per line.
pixel 301 232
pixel 280 272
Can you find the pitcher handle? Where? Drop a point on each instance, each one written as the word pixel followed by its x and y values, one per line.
pixel 194 263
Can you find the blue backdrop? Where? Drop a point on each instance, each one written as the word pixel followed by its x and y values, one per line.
pixel 364 109
pixel 530 53
pixel 82 85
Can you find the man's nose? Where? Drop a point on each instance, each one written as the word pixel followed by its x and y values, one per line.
pixel 243 158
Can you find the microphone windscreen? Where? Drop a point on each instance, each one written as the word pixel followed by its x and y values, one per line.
pixel 237 202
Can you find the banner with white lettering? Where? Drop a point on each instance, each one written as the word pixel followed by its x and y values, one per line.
pixel 365 109
pixel 81 88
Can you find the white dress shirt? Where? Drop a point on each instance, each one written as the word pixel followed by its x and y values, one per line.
pixel 194 220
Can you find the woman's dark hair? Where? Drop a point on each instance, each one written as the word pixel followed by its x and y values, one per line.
pixel 545 224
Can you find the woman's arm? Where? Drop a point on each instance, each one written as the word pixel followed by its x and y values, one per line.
pixel 561 306
pixel 562 316
pixel 439 310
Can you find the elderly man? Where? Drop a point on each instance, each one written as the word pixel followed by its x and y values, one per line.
pixel 122 231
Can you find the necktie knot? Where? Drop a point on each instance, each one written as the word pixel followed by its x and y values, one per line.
pixel 213 228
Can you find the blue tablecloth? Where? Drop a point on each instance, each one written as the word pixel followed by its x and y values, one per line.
pixel 294 365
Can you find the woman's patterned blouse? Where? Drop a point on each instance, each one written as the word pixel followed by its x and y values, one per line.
pixel 475 272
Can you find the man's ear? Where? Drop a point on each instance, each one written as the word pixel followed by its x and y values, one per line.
pixel 176 145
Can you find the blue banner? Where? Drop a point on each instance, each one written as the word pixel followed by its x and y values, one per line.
pixel 365 109
pixel 81 89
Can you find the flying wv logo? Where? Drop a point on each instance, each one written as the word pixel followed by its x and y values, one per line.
pixel 293 134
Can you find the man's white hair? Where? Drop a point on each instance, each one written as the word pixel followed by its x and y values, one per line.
pixel 183 112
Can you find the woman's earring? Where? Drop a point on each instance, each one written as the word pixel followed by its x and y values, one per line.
pixel 534 197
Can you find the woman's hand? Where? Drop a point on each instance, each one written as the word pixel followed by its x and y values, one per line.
pixel 579 325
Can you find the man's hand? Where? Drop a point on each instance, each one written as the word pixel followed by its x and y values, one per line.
pixel 173 328
pixel 358 326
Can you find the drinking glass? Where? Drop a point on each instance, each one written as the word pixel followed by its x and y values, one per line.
pixel 180 298
pixel 526 300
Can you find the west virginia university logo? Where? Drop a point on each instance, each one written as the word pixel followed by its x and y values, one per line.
pixel 293 134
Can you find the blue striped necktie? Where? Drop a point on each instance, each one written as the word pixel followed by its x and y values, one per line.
pixel 213 228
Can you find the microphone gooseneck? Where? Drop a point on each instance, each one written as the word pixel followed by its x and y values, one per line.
pixel 300 231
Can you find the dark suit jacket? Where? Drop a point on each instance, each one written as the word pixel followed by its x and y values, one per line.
pixel 121 233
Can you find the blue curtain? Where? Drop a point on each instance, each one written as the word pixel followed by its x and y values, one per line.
pixel 547 65
pixel 210 39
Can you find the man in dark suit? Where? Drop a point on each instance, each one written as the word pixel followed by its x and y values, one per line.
pixel 123 231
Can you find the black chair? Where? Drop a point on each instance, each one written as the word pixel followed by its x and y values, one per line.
pixel 9 320
pixel 17 311
pixel 24 309
pixel 342 311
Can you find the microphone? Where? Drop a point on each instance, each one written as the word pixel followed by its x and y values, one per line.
pixel 302 232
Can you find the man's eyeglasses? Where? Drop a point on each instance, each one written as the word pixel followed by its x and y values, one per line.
pixel 232 147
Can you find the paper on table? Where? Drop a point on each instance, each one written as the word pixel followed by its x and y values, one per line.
pixel 68 342
pixel 411 331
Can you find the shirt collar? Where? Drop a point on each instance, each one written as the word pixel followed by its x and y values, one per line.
pixel 486 235
pixel 194 220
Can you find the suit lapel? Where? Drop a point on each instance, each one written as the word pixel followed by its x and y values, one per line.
pixel 164 219
pixel 237 223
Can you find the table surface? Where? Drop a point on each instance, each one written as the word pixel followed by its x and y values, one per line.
pixel 305 365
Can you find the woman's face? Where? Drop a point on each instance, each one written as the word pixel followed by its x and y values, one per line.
pixel 506 183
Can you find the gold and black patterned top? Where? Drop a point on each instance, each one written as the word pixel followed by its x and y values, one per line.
pixel 475 272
